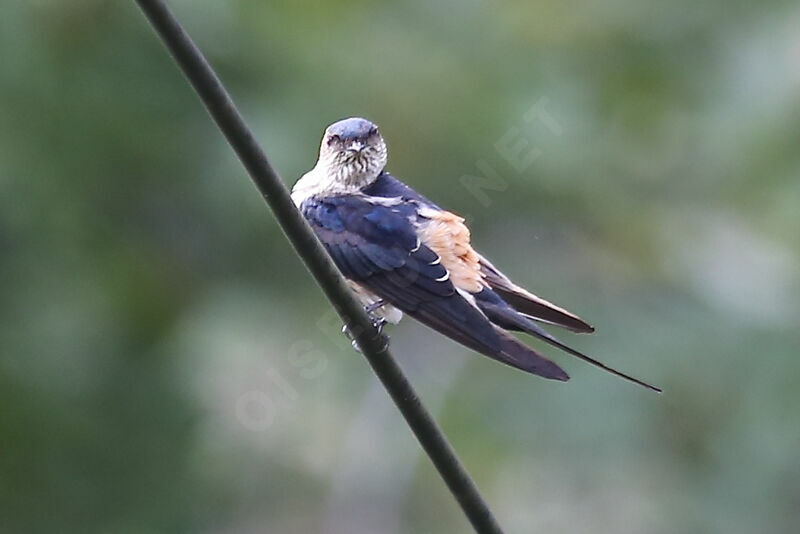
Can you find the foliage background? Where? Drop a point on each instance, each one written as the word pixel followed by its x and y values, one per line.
pixel 167 365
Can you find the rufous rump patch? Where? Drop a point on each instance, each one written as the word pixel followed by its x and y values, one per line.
pixel 446 234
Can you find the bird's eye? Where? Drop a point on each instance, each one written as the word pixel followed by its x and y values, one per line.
pixel 372 131
pixel 334 139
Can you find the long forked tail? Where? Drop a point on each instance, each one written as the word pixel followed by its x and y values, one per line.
pixel 530 305
pixel 474 330
pixel 547 338
pixel 504 316
pixel 516 354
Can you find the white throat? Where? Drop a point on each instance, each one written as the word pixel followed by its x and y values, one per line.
pixel 329 178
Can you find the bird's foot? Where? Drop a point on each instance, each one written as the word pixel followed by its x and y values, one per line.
pixel 378 323
pixel 380 303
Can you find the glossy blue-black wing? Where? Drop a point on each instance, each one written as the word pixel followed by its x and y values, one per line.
pixel 376 245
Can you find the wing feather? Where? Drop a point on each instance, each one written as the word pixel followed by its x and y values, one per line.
pixel 376 246
pixel 529 304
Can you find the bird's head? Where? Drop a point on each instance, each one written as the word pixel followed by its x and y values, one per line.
pixel 353 153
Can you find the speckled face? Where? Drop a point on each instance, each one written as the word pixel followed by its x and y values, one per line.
pixel 353 150
pixel 347 132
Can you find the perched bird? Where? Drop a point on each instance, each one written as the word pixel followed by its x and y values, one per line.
pixel 401 253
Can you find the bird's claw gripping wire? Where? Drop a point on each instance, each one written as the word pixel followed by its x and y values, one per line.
pixel 380 303
pixel 377 322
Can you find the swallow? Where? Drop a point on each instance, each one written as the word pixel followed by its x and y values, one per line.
pixel 403 254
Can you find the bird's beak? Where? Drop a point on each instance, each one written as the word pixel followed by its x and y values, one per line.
pixel 356 147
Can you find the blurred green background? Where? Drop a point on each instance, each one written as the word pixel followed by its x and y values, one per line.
pixel 168 365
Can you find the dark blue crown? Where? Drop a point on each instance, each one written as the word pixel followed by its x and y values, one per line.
pixel 352 128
